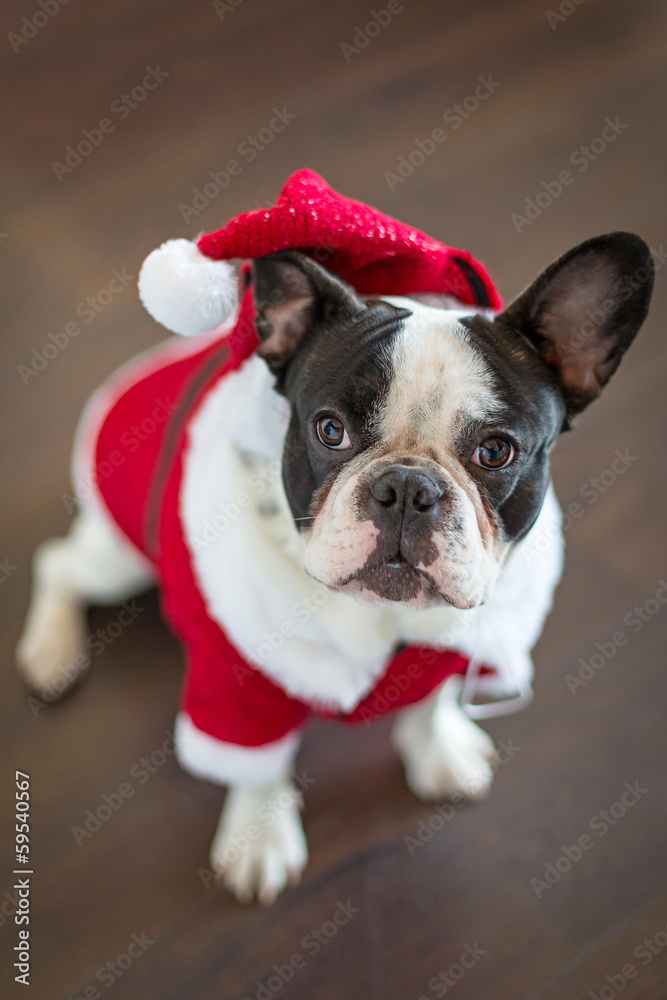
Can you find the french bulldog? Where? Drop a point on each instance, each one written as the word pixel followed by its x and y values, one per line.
pixel 400 453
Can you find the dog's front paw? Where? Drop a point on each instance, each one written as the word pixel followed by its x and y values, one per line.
pixel 458 762
pixel 260 846
pixel 444 753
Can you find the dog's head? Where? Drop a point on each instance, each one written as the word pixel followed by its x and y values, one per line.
pixel 418 446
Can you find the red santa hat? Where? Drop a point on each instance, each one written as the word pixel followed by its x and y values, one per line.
pixel 190 288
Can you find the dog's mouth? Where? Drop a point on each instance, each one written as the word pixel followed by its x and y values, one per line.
pixel 394 579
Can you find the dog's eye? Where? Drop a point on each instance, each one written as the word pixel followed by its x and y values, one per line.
pixel 494 453
pixel 331 432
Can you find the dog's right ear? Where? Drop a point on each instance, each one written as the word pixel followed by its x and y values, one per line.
pixel 293 294
pixel 583 312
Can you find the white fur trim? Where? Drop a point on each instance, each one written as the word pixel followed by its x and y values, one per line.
pixel 229 764
pixel 186 291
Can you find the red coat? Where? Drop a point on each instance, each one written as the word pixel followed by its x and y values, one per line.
pixel 141 434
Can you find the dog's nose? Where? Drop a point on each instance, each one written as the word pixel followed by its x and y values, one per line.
pixel 405 487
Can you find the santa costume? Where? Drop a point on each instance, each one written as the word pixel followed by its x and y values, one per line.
pixel 238 722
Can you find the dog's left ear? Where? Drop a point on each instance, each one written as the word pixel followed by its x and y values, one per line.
pixel 293 295
pixel 583 312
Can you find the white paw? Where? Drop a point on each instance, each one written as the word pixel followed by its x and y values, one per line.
pixel 260 847
pixel 50 653
pixel 456 763
pixel 445 753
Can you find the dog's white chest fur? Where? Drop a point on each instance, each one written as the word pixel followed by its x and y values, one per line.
pixel 322 647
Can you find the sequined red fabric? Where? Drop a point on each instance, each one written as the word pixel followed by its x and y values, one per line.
pixel 371 251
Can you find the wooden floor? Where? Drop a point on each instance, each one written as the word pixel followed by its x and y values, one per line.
pixel 412 911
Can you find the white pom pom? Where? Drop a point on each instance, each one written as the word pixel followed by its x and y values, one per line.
pixel 186 291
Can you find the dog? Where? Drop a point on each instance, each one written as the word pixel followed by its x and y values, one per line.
pixel 371 484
